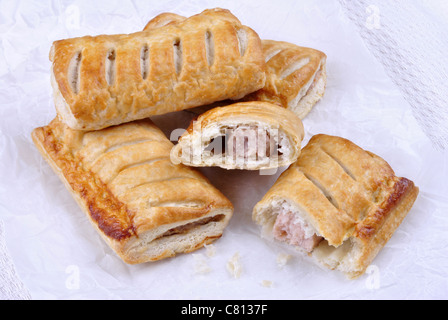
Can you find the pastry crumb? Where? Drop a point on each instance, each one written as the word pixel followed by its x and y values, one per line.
pixel 282 259
pixel 201 266
pixel 234 266
pixel 210 250
pixel 266 283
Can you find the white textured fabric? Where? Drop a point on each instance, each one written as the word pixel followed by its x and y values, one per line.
pixel 409 38
pixel 11 287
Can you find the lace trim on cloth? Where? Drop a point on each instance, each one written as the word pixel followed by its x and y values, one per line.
pixel 409 40
pixel 11 287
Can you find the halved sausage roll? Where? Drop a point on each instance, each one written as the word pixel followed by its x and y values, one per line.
pixel 245 135
pixel 144 207
pixel 338 203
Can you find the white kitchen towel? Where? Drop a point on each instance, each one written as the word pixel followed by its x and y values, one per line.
pixel 11 287
pixel 409 38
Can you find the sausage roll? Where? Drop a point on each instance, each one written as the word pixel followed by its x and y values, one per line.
pixel 111 79
pixel 295 76
pixel 338 203
pixel 145 207
pixel 244 135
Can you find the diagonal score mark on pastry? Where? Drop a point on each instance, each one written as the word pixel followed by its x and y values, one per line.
pixel 177 55
pixel 107 80
pixel 163 19
pixel 209 47
pixel 144 61
pixel 110 67
pixel 144 207
pixel 245 135
pixel 297 65
pixel 73 71
pixel 241 35
pixel 295 76
pixel 338 203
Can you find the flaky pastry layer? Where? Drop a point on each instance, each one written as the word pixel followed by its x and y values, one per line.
pixel 249 135
pixel 111 79
pixel 145 207
pixel 295 76
pixel 348 197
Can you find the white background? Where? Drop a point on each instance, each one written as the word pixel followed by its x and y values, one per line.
pixel 377 96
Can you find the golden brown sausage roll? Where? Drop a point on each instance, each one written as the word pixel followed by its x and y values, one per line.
pixel 295 76
pixel 111 79
pixel 338 203
pixel 145 207
pixel 244 135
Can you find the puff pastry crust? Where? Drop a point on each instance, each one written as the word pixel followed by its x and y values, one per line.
pixel 145 207
pixel 339 202
pixel 163 19
pixel 244 135
pixel 111 79
pixel 295 76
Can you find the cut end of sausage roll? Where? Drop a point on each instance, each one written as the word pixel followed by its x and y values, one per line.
pixel 338 203
pixel 295 76
pixel 145 207
pixel 176 64
pixel 244 135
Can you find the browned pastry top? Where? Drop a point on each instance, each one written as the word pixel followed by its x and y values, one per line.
pixel 124 176
pixel 289 68
pixel 110 79
pixel 347 190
